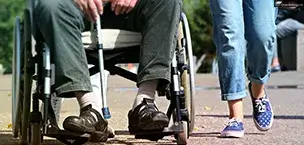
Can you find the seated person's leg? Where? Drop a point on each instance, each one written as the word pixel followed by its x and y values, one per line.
pixel 61 23
pixel 284 29
pixel 288 27
pixel 158 22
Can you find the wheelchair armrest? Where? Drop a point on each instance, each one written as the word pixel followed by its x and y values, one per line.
pixel 111 39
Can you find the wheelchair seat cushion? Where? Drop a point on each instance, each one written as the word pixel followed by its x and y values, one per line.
pixel 111 39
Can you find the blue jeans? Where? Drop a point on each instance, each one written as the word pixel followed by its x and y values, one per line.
pixel 243 28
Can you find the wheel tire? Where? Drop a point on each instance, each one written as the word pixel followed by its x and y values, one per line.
pixel 27 76
pixel 16 78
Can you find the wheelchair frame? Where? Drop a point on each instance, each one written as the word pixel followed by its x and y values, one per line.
pixel 33 124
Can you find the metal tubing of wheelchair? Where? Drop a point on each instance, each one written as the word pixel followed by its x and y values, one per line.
pixel 176 87
pixel 105 109
pixel 47 84
pixel 175 75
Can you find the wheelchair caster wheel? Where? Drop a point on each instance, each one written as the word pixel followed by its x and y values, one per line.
pixel 183 136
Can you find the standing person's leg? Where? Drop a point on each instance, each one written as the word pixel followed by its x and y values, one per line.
pixel 60 23
pixel 260 34
pixel 228 26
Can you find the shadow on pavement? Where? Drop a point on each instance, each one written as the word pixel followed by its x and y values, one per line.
pixel 250 116
pixel 205 134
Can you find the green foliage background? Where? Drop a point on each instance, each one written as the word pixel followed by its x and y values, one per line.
pixel 197 11
pixel 199 17
pixel 9 9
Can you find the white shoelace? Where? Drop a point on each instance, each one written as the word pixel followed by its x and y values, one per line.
pixel 260 106
pixel 232 122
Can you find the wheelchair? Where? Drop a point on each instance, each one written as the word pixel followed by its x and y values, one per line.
pixel 32 80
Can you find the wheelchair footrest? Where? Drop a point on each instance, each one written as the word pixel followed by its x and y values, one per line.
pixel 67 137
pixel 155 135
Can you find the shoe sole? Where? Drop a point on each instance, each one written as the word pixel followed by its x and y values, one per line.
pixel 156 126
pixel 80 129
pixel 96 136
pixel 232 134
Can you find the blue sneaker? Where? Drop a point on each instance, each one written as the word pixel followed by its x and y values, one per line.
pixel 233 128
pixel 262 112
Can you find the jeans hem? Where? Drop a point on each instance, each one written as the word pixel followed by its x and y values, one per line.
pixel 259 81
pixel 234 96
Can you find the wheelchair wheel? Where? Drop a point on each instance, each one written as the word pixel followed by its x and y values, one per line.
pixel 16 78
pixel 28 67
pixel 187 77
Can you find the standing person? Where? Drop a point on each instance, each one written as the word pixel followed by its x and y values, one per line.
pixel 244 28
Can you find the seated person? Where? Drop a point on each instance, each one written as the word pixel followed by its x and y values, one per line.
pixel 61 23
pixel 288 21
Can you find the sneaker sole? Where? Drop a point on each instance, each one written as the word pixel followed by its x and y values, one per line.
pixel 232 134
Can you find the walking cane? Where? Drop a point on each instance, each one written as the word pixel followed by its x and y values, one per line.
pixel 99 47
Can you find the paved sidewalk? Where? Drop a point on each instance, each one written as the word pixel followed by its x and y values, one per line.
pixel 285 90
